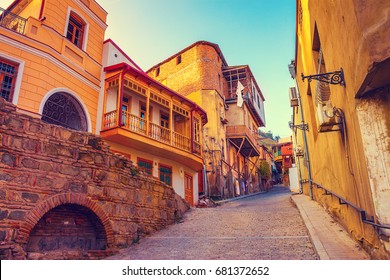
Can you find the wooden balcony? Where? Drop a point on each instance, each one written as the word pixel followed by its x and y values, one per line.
pixel 241 136
pixel 147 136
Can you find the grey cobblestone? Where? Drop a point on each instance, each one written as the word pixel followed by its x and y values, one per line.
pixel 265 226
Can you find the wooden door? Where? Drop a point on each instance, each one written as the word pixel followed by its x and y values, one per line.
pixel 188 189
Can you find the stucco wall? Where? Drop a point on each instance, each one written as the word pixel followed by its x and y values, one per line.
pixel 338 159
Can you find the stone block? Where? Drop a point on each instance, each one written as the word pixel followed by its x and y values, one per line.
pixel 99 160
pixel 14 123
pixel 35 128
pixel 5 177
pixel 69 170
pixel 44 182
pixel 62 133
pixel 2 194
pixel 77 137
pixel 45 166
pixel 8 159
pixel 47 129
pixel 95 143
pixel 2 235
pixel 31 145
pixel 30 197
pixel 30 163
pixel 13 141
pixel 3 214
pixel 86 156
pixel 17 215
pixel 78 187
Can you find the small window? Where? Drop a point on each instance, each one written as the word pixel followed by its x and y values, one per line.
pixel 8 73
pixel 178 59
pixel 76 29
pixel 164 120
pixel 165 174
pixel 145 165
pixel 157 71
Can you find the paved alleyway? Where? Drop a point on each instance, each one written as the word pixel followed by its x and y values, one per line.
pixel 265 226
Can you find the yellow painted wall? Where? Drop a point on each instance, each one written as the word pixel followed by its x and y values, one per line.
pixel 337 164
pixel 51 61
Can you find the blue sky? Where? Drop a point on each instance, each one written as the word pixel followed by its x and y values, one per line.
pixel 260 33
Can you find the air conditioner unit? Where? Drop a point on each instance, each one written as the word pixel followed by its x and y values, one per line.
pixel 293 97
pixel 326 117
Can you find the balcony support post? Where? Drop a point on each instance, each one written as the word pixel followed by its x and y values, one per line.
pixel 147 113
pixel 171 121
pixel 120 101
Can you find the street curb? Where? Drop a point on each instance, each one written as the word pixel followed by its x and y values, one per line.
pixel 317 244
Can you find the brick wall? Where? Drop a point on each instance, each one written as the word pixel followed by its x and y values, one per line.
pixel 63 191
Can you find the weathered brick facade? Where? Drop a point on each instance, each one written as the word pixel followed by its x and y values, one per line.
pixel 63 194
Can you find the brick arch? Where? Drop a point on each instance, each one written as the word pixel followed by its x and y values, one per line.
pixel 65 198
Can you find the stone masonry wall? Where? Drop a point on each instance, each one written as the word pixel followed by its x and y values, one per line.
pixel 43 167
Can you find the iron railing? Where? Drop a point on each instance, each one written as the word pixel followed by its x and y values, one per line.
pixel 12 21
pixel 343 201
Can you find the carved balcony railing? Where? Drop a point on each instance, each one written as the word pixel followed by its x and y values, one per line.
pixel 161 134
pixel 12 21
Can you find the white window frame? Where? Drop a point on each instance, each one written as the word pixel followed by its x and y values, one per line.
pixel 86 27
pixel 18 82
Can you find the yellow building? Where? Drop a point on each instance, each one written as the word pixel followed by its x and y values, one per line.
pixel 234 105
pixel 50 55
pixel 341 113
pixel 55 65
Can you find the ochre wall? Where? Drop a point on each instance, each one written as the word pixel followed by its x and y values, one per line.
pixel 338 163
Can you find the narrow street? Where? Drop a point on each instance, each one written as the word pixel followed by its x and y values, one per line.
pixel 264 226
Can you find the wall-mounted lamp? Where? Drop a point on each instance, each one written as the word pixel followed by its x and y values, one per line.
pixel 303 126
pixel 333 78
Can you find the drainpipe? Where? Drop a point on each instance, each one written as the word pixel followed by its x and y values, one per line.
pixel 292 70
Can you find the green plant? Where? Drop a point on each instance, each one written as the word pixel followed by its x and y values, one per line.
pixel 264 169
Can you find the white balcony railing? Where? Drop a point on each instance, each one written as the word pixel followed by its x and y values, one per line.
pixel 138 125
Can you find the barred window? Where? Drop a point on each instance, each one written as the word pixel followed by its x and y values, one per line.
pixel 63 109
pixel 8 73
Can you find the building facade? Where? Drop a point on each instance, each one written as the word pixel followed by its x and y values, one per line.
pixel 56 66
pixel 159 130
pixel 341 113
pixel 283 158
pixel 50 55
pixel 234 105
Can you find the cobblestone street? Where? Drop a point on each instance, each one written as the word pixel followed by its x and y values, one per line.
pixel 264 226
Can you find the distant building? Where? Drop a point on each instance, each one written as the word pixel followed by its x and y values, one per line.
pixel 283 157
pixel 341 113
pixel 234 105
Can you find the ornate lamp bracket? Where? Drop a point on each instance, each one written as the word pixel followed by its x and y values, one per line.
pixel 333 78
pixel 303 126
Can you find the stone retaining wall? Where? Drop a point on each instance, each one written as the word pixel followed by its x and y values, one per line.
pixel 44 167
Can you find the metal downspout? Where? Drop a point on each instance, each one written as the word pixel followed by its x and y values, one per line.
pixel 292 70
pixel 307 157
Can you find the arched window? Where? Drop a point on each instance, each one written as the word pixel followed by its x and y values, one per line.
pixel 64 110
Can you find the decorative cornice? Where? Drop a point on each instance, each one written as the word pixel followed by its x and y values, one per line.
pixel 88 11
pixel 48 57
